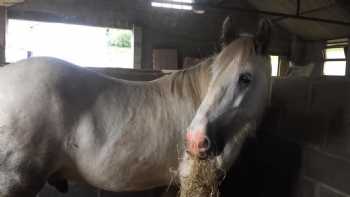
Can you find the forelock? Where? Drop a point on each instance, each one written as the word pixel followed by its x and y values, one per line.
pixel 236 53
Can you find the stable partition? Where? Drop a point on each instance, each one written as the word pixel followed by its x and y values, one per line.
pixel 314 114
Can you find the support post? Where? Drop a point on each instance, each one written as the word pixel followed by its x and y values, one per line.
pixel 298 8
pixel 137 43
pixel 3 27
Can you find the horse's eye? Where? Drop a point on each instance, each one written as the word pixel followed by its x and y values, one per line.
pixel 245 79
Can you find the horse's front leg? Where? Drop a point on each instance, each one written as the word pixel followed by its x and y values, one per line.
pixel 17 184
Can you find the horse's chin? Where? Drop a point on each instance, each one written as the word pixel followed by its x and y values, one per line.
pixel 199 177
pixel 187 163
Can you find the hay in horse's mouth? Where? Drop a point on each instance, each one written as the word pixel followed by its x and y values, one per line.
pixel 202 180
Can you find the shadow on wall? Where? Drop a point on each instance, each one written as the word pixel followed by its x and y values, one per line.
pixel 316 114
pixel 268 166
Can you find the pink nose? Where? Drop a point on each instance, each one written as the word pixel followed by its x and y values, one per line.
pixel 197 143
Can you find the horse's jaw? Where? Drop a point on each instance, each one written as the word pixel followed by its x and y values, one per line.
pixel 225 160
pixel 187 163
pixel 234 145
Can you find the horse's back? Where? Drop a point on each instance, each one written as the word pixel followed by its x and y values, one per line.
pixel 32 89
pixel 38 99
pixel 44 96
pixel 77 124
pixel 38 81
pixel 27 89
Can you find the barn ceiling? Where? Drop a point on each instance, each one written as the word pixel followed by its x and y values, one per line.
pixel 334 10
pixel 139 12
pixel 338 10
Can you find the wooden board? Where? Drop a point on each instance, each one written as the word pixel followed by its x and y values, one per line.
pixel 165 59
pixel 7 3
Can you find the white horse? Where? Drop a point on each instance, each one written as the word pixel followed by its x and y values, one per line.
pixel 61 122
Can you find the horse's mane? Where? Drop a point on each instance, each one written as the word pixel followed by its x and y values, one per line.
pixel 194 81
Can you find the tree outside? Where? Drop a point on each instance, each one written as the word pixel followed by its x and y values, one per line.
pixel 73 43
pixel 119 38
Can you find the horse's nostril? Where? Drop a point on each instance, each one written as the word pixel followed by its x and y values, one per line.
pixel 204 145
pixel 202 155
pixel 197 144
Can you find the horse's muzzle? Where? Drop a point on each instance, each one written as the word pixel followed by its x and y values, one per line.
pixel 197 144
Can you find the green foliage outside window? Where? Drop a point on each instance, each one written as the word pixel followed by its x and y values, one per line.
pixel 119 38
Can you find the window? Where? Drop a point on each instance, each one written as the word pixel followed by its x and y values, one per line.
pixel 82 45
pixel 274 65
pixel 172 4
pixel 335 59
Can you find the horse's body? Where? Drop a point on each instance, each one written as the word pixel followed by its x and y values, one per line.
pixel 59 121
pixel 66 121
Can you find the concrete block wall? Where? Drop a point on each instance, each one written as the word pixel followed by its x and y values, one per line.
pixel 315 115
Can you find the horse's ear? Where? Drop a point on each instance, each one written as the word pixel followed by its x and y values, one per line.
pixel 262 38
pixel 228 33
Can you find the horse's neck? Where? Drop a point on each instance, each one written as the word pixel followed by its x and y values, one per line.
pixel 171 100
pixel 192 82
pixel 185 91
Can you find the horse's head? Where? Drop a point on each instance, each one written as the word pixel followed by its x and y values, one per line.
pixel 236 95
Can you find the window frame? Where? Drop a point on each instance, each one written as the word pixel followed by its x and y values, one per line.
pixel 278 66
pixel 30 53
pixel 344 45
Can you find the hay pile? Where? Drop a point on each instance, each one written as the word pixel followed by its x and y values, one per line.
pixel 202 180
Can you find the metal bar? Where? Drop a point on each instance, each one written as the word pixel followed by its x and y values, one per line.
pixel 333 60
pixel 336 46
pixel 298 8
pixel 232 8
